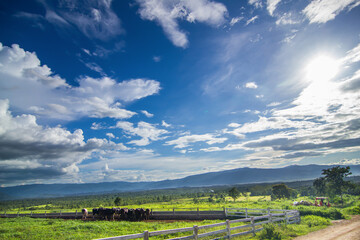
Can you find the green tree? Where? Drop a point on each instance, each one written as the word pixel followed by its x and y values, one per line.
pixel 118 201
pixel 320 185
pixel 234 193
pixel 334 179
pixel 281 191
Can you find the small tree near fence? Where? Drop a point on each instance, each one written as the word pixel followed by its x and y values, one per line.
pixel 234 193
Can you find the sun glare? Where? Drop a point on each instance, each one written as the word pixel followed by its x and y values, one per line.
pixel 322 68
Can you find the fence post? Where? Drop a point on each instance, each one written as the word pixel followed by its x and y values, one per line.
pixel 60 212
pixel 246 213
pixel 146 235
pixel 228 229
pixel 225 212
pixel 31 214
pixel 198 213
pixel 253 226
pixel 18 214
pixel 45 213
pixel 75 213
pixel 173 211
pixel 195 232
pixel 270 218
pixel 5 213
pixel 286 219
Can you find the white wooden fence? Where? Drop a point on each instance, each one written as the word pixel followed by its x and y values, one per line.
pixel 254 224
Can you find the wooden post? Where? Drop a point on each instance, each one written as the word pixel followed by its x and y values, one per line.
pixel 5 213
pixel 60 212
pixel 269 211
pixel 18 214
pixel 195 232
pixel 45 213
pixel 270 218
pixel 31 214
pixel 173 211
pixel 228 229
pixel 146 235
pixel 198 213
pixel 75 213
pixel 225 211
pixel 246 213
pixel 253 226
pixel 286 219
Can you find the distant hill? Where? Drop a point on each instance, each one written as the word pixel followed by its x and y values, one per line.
pixel 229 177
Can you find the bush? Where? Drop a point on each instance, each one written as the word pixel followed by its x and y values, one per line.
pixel 331 213
pixel 270 232
pixel 352 210
pixel 312 221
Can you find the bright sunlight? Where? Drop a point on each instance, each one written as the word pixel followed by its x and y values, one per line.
pixel 321 69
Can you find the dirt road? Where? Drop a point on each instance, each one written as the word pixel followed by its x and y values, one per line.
pixel 340 230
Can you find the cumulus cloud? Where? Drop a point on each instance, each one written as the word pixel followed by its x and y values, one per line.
pixel 168 13
pixel 29 151
pixel 147 114
pixel 148 132
pixel 33 87
pixel 185 141
pixel 316 123
pixel 322 11
pixel 251 85
pixel 165 124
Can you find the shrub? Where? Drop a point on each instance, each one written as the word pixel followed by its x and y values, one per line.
pixel 352 210
pixel 312 221
pixel 270 232
pixel 321 212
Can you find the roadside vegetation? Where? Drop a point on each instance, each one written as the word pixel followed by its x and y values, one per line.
pixel 274 196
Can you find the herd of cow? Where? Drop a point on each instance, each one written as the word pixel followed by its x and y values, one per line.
pixel 126 214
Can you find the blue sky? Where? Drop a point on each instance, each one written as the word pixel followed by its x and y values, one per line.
pixel 146 90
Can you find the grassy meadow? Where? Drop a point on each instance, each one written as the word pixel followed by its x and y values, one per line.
pixel 313 218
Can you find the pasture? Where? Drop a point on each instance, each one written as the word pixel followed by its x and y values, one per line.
pixel 313 218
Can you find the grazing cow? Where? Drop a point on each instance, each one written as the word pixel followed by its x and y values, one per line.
pixel 131 214
pixel 124 213
pixel 84 213
pixel 147 214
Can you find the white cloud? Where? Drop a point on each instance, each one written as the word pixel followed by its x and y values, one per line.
pixel 168 13
pixel 251 20
pixel 185 141
pixel 147 114
pixel 165 124
pixel 95 19
pixel 272 5
pixel 33 87
pixel 251 85
pixel 235 20
pixel 286 19
pixel 110 135
pixel 148 132
pixel 273 104
pixel 30 151
pixel 156 58
pixel 256 3
pixel 322 11
pixel 234 125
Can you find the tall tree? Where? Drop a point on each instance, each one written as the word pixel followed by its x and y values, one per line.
pixel 320 185
pixel 334 177
pixel 118 201
pixel 234 193
pixel 281 191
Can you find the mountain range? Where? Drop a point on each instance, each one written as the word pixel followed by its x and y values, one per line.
pixel 228 177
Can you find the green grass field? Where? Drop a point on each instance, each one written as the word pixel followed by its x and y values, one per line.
pixel 313 218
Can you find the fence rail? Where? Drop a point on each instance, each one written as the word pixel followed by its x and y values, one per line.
pixel 255 223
